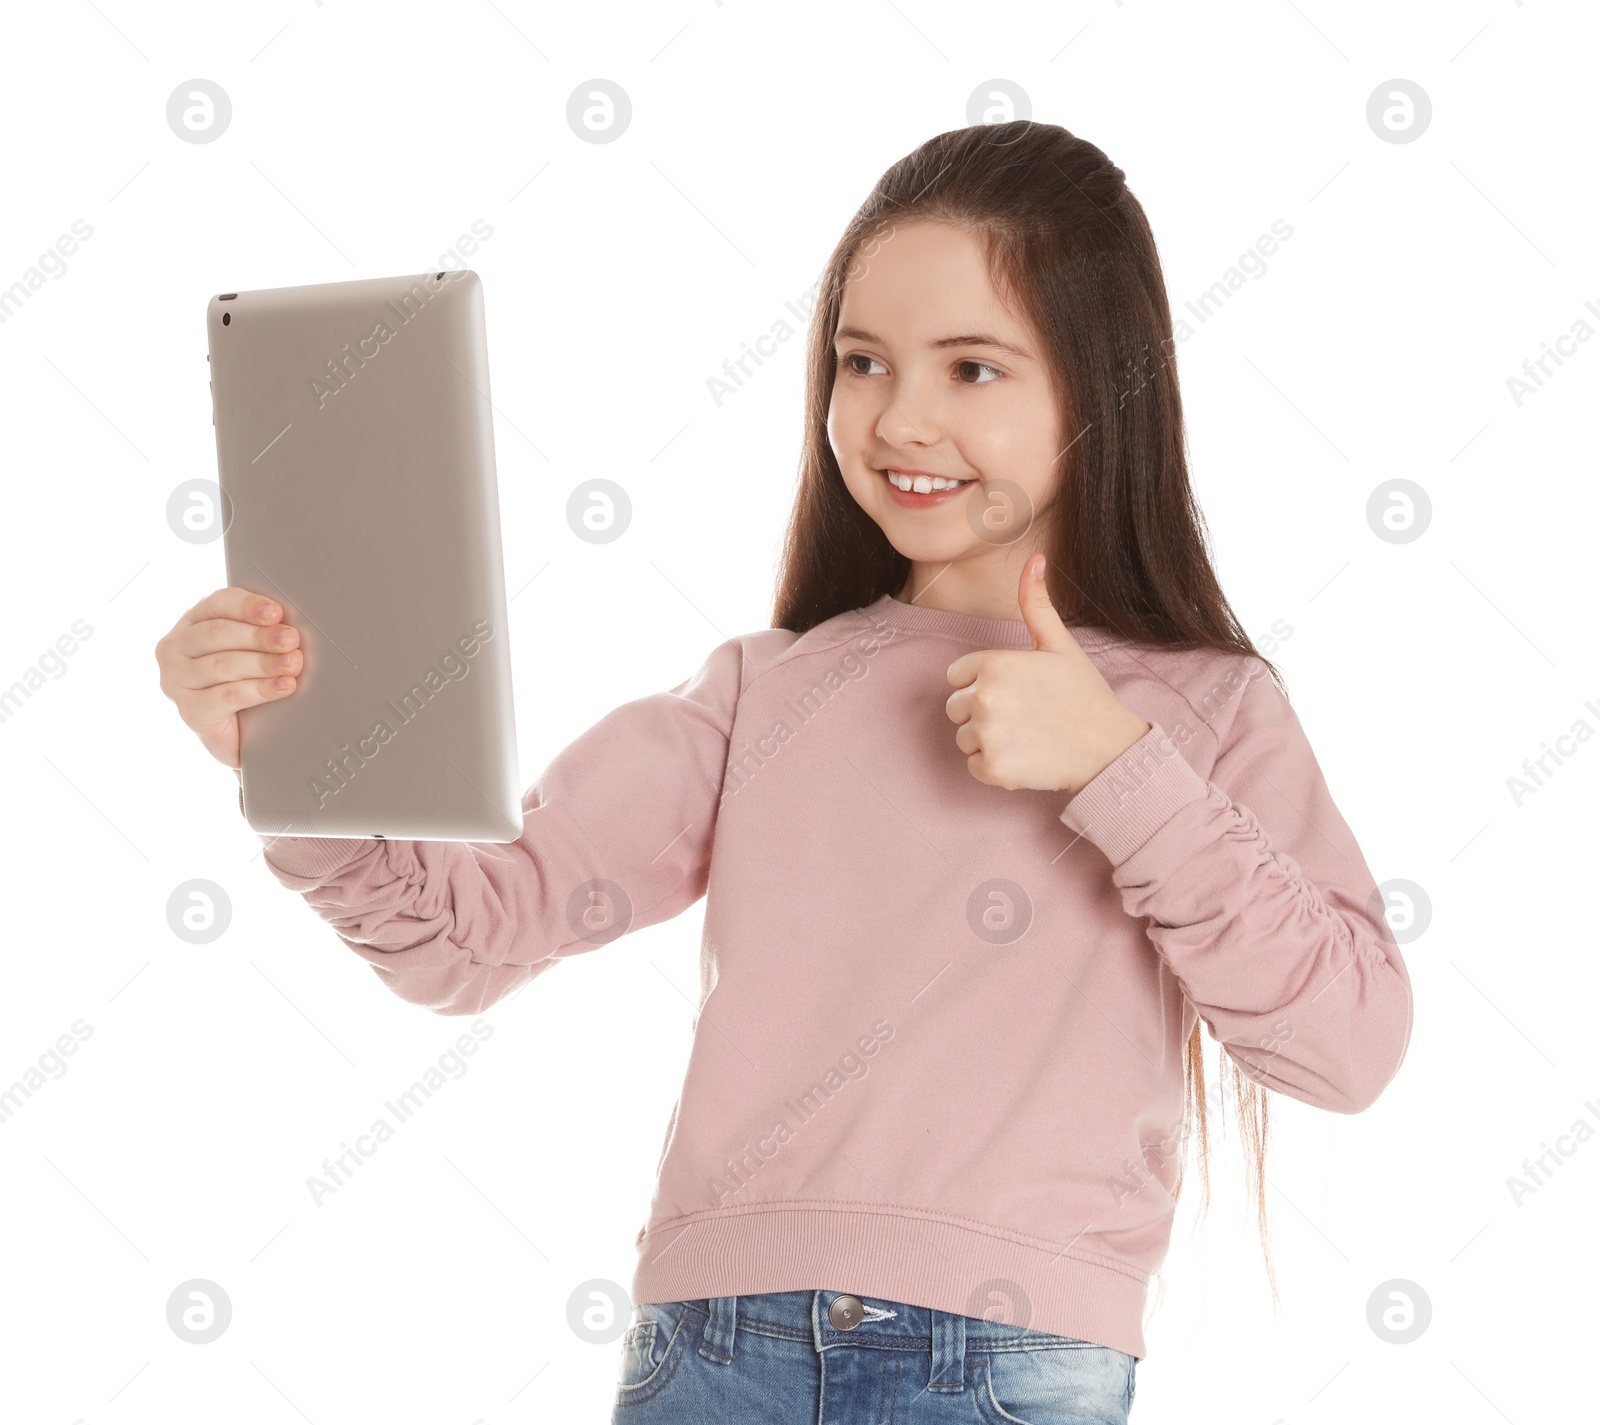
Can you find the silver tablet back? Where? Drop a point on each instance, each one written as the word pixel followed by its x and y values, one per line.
pixel 356 457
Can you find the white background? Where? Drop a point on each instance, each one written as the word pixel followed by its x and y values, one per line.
pixel 364 140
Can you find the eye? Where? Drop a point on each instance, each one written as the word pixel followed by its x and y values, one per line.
pixel 845 361
pixel 982 366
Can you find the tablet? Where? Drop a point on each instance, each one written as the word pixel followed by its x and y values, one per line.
pixel 355 453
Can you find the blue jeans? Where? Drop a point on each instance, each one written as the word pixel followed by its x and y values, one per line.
pixel 831 1358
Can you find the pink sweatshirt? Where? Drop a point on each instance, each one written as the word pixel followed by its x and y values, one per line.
pixel 939 1051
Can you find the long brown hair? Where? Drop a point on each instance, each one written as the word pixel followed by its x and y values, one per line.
pixel 1127 546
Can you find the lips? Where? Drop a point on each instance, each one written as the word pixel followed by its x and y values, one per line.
pixel 928 496
pixel 921 482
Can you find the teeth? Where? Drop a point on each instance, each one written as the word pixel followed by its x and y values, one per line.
pixel 923 484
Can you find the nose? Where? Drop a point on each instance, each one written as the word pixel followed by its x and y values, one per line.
pixel 909 418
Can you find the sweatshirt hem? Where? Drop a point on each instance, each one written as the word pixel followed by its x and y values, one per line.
pixel 923 1261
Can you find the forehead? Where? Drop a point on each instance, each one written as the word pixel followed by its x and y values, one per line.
pixel 923 279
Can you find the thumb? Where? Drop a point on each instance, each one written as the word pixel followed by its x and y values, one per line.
pixel 1050 635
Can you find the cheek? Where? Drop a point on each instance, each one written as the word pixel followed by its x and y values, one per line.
pixel 846 420
pixel 1018 439
pixel 846 437
pixel 835 423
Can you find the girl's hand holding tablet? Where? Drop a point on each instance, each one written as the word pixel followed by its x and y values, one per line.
pixel 228 652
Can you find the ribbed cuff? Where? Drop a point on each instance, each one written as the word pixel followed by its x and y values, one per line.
pixel 1135 796
pixel 307 857
pixel 310 857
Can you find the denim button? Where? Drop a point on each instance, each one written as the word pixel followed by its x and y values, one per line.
pixel 846 1312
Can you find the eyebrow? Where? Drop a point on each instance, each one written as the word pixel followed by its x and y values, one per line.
pixel 971 339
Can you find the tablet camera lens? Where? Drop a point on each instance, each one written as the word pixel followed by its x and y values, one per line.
pixel 226 318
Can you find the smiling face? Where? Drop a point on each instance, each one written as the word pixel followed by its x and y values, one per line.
pixel 937 381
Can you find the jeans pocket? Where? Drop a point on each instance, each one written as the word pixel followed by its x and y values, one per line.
pixel 1078 1384
pixel 647 1346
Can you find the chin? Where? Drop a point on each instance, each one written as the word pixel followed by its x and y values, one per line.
pixel 931 551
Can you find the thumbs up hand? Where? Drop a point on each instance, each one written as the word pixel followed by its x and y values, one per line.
pixel 1040 718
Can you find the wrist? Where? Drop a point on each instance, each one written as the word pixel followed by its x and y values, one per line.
pixel 1128 730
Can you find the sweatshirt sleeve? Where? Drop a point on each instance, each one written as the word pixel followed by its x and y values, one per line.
pixel 617 835
pixel 1259 900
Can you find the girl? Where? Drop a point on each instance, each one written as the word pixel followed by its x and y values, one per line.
pixel 1002 806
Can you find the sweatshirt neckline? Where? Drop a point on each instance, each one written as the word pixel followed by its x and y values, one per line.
pixel 973 628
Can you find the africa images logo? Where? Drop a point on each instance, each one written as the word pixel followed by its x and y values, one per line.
pixel 337 772
pixel 338 371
